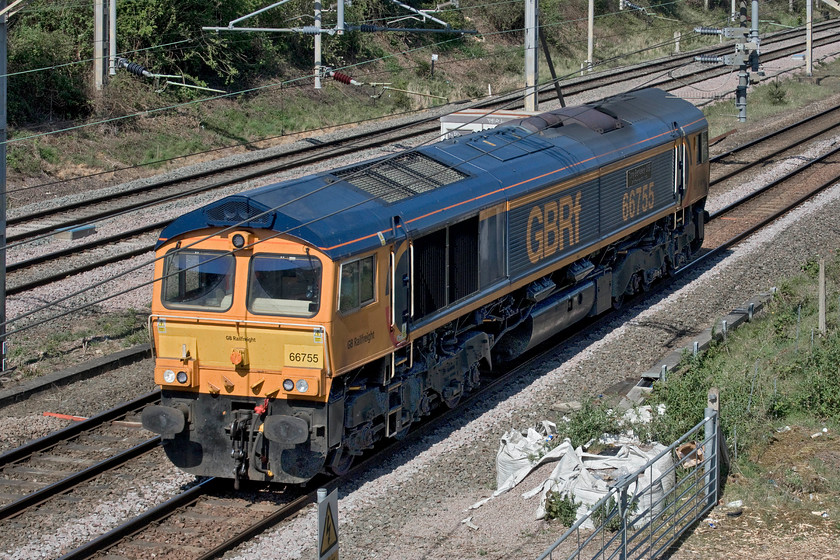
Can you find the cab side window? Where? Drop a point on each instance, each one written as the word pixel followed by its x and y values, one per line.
pixel 703 147
pixel 356 288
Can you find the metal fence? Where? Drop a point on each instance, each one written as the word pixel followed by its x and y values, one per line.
pixel 642 516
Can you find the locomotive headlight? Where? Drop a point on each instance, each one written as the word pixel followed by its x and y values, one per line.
pixel 169 376
pixel 238 241
pixel 302 386
pixel 288 384
pixel 182 377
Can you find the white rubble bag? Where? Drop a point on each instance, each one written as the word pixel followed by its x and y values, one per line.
pixel 584 476
pixel 575 475
pixel 518 453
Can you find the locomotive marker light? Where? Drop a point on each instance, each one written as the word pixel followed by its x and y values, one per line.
pixel 238 241
pixel 288 385
pixel 169 376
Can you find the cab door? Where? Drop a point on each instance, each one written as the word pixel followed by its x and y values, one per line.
pixel 401 269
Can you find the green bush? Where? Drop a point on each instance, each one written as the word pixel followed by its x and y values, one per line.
pixel 592 421
pixel 561 507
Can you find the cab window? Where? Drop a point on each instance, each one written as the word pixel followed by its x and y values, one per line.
pixel 199 280
pixel 356 287
pixel 287 285
pixel 703 147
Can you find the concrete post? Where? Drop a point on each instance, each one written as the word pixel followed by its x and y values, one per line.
pixel 822 297
pixel 590 32
pixel 531 30
pixel 809 38
pixel 710 450
pixel 98 43
pixel 317 44
pixel 112 38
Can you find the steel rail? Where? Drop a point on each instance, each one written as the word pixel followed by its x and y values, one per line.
pixel 734 240
pixel 417 433
pixel 778 181
pixel 50 440
pixel 56 276
pixel 157 513
pixel 346 145
pixel 771 136
pixel 47 493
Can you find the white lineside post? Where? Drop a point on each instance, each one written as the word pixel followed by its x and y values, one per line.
pixel 112 37
pixel 317 44
pixel 822 297
pixel 809 38
pixel 677 37
pixel 712 446
pixel 4 18
pixel 531 31
pixel 98 43
pixel 590 36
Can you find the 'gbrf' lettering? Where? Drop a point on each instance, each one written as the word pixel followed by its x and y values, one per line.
pixel 552 227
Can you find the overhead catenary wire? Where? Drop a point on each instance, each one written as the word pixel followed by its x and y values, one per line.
pixel 211 98
pixel 226 229
pixel 541 85
pixel 146 264
pixel 44 236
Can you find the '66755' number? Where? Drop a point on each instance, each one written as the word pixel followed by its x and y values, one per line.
pixel 637 200
pixel 303 358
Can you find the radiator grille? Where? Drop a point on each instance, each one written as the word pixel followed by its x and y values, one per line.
pixel 236 212
pixel 398 178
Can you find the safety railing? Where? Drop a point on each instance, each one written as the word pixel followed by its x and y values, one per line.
pixel 646 511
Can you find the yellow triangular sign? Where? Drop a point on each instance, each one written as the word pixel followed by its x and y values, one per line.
pixel 329 536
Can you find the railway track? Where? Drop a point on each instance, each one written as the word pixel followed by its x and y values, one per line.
pixel 201 505
pixel 43 469
pixel 751 213
pixel 208 519
pixel 31 272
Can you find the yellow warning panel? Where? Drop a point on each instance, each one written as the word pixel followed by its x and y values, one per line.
pixel 327 525
pixel 329 535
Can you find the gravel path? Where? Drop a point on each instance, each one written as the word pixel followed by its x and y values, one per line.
pixel 414 505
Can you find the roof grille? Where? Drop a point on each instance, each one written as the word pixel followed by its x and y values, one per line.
pixel 238 212
pixel 400 177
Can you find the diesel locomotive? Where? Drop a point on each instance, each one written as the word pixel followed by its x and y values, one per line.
pixel 297 324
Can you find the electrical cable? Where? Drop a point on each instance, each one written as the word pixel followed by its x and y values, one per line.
pixel 55 302
pixel 540 85
pixel 215 234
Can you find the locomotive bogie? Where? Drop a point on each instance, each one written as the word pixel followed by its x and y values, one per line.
pixel 300 323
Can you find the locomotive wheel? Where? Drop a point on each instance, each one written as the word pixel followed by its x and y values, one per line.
pixel 341 461
pixel 452 395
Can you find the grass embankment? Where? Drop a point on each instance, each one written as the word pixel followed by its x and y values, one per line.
pixel 135 124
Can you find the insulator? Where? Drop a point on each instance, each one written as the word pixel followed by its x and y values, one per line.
pixel 708 30
pixel 310 30
pixel 341 77
pixel 368 28
pixel 708 59
pixel 133 67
